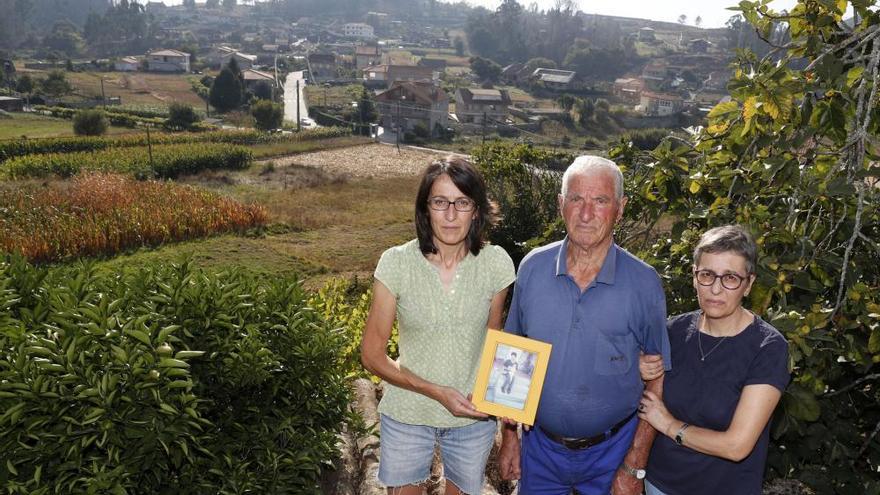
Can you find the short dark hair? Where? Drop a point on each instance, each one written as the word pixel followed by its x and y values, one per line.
pixel 469 181
pixel 728 238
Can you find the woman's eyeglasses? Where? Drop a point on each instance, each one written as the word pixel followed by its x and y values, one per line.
pixel 730 281
pixel 442 204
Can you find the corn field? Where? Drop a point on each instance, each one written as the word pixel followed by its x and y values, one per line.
pixel 103 214
pixel 20 147
pixel 167 161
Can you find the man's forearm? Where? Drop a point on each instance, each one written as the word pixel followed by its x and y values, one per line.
pixel 637 457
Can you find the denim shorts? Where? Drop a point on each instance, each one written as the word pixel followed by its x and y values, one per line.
pixel 652 490
pixel 406 452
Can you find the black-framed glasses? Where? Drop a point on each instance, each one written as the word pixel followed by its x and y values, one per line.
pixel 730 281
pixel 442 204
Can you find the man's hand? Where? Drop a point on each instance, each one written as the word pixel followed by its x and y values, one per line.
pixel 626 484
pixel 508 455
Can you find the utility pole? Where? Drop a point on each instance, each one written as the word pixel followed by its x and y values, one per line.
pixel 397 123
pixel 150 147
pixel 298 124
pixel 484 127
pixel 103 96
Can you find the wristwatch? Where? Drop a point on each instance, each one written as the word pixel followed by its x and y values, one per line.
pixel 638 474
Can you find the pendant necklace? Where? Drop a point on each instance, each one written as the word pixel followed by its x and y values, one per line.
pixel 703 355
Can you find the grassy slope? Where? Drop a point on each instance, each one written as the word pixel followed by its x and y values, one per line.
pixel 338 227
pixel 137 88
pixel 39 126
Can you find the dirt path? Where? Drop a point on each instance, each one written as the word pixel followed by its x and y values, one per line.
pixel 372 160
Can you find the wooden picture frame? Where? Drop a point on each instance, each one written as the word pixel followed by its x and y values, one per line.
pixel 511 376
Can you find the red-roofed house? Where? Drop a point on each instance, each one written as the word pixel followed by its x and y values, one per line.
pixel 406 104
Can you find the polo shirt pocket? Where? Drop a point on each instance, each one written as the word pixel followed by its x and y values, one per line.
pixel 614 352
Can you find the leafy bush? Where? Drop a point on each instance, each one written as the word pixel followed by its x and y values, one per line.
pixel 345 304
pixel 103 214
pixel 89 123
pixel 646 139
pixel 523 181
pixel 166 380
pixel 20 147
pixel 117 118
pixel 164 161
pixel 181 117
pixel 267 115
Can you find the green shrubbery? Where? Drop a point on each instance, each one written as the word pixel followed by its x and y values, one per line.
pixel 167 380
pixel 89 123
pixel 345 304
pixel 20 147
pixel 267 115
pixel 167 161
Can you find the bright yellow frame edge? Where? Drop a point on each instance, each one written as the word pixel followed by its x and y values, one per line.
pixel 542 349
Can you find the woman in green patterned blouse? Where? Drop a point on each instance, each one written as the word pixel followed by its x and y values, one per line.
pixel 444 288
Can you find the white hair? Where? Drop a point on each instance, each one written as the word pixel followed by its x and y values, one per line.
pixel 586 164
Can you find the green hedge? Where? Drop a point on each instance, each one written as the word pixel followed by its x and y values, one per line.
pixel 121 119
pixel 21 147
pixel 167 161
pixel 167 380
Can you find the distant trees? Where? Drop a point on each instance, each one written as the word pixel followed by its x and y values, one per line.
pixel 212 4
pixel 539 62
pixel 123 27
pixel 458 44
pixel 55 84
pixel 13 22
pixel 485 69
pixel 227 91
pixel 682 19
pixel 25 84
pixel 263 90
pixel 267 115
pixel 89 123
pixel 229 4
pixel 64 38
pixel 588 60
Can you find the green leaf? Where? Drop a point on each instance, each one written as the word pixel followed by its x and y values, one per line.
pixel 874 341
pixel 854 75
pixel 801 404
pixel 724 109
pixel 188 354
pixel 168 408
pixel 165 332
pixel 141 336
pixel 173 363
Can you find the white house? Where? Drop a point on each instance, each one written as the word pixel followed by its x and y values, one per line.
pixel 126 64
pixel 168 61
pixel 660 104
pixel 358 30
pixel 223 54
pixel 472 105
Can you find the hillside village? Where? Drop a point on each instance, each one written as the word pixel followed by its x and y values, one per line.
pixel 414 68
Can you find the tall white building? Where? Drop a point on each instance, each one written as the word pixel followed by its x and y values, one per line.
pixel 358 30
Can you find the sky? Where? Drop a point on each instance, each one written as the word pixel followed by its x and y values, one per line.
pixel 712 12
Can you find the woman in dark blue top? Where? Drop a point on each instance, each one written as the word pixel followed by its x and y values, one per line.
pixel 730 368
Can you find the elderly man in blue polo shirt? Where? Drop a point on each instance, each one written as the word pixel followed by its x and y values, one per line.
pixel 600 307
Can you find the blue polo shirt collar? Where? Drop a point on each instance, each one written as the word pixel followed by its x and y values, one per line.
pixel 606 273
